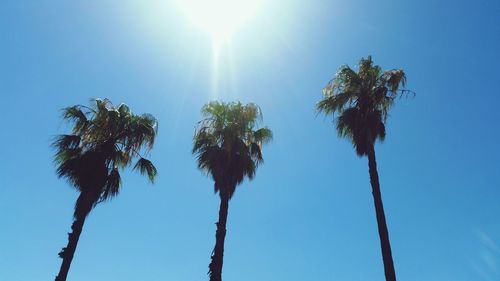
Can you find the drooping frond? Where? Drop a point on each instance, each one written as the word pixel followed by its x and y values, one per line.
pixel 68 165
pixel 262 136
pixel 347 121
pixel 393 79
pixel 146 167
pixel 112 186
pixel 255 151
pixel 121 159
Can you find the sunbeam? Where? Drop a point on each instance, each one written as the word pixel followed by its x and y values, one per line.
pixel 220 19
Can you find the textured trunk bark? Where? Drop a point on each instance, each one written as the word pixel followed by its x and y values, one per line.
pixel 390 273
pixel 68 252
pixel 215 267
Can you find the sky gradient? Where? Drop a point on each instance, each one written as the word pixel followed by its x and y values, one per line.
pixel 308 214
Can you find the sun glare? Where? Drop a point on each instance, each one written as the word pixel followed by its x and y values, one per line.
pixel 220 18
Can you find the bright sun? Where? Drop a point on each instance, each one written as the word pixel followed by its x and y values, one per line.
pixel 220 18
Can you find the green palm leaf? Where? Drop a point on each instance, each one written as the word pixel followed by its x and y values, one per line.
pixel 146 167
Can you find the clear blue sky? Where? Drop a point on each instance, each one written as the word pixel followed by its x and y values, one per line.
pixel 309 213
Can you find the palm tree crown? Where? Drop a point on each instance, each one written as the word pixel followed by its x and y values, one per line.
pixel 362 100
pixel 227 144
pixel 104 139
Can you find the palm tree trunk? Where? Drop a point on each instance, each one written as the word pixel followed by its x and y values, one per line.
pixel 82 209
pixel 390 273
pixel 215 267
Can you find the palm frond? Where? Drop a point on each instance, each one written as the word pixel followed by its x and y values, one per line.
pixel 76 115
pixel 335 103
pixel 68 168
pixel 394 79
pixel 146 167
pixel 256 153
pixel 121 158
pixel 63 142
pixel 123 109
pixel 112 186
pixel 263 136
pixel 347 121
pixel 62 155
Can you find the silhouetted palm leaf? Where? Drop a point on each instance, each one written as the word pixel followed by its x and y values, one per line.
pixel 146 167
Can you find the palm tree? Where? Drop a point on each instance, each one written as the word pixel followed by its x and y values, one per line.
pixel 361 101
pixel 228 146
pixel 104 140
